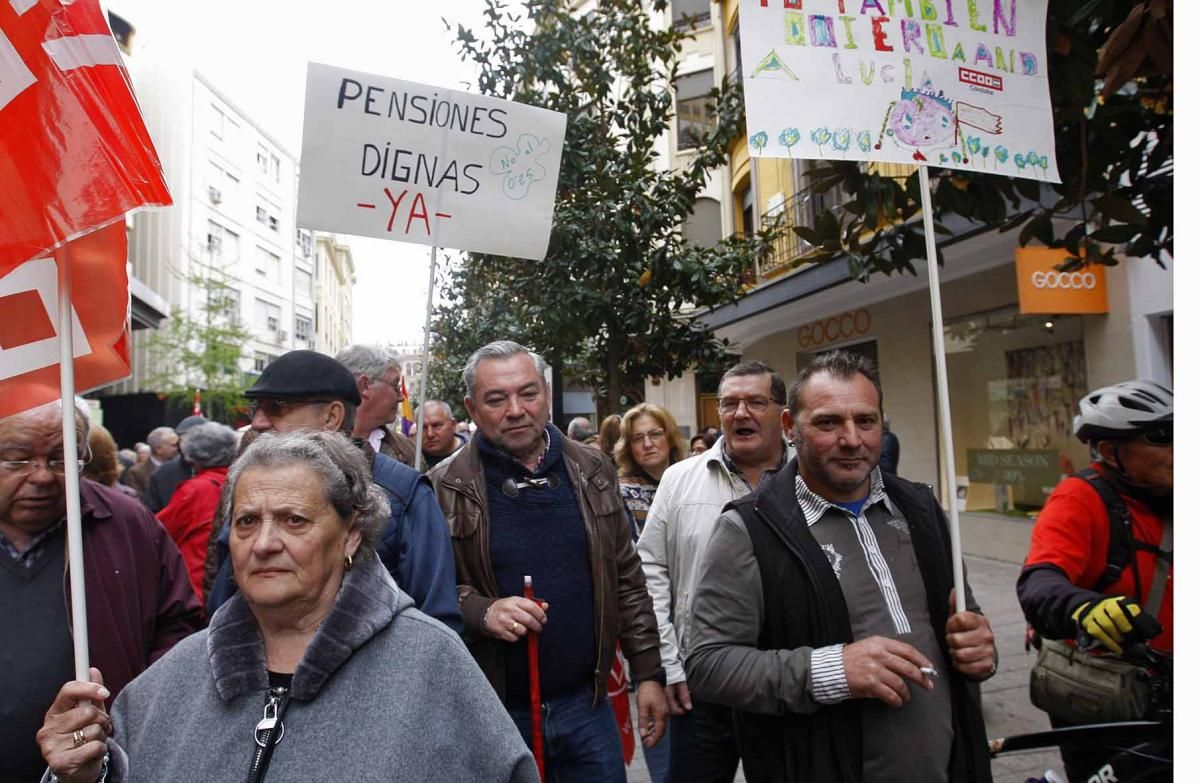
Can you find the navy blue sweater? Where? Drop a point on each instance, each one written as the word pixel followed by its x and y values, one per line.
pixel 541 533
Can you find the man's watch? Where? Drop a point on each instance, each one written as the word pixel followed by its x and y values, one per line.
pixel 660 677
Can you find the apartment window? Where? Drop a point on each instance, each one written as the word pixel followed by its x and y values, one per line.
pixel 304 280
pixel 269 266
pixel 272 222
pixel 213 241
pixel 303 329
pixel 686 12
pixel 216 125
pixel 692 117
pixel 266 316
pixel 260 159
pixel 226 301
pixel 261 360
pixel 267 214
pixel 275 167
pixel 230 246
pixel 304 240
pixel 260 214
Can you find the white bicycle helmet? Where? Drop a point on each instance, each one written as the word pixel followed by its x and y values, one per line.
pixel 1123 410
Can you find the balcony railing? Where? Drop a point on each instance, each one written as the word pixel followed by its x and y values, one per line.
pixel 786 246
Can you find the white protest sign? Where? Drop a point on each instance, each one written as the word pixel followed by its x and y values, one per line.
pixel 393 159
pixel 959 84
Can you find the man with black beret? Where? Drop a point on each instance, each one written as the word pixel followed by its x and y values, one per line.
pixel 306 390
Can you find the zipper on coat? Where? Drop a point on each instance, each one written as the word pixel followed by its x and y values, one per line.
pixel 267 733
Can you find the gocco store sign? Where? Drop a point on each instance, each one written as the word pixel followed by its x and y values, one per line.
pixel 834 329
pixel 1043 289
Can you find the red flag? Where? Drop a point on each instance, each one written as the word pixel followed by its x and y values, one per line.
pixel 618 694
pixel 74 152
pixel 29 348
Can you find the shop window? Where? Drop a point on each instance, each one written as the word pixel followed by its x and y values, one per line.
pixel 1015 383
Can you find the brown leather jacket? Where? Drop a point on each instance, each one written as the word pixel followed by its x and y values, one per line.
pixel 623 607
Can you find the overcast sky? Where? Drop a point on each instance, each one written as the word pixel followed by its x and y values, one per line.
pixel 256 53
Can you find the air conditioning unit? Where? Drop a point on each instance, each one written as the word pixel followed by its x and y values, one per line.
pixel 281 337
pixel 214 194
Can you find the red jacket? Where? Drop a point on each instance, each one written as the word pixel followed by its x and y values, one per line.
pixel 1071 534
pixel 189 517
pixel 139 601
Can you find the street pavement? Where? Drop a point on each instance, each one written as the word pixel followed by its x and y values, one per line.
pixel 1006 707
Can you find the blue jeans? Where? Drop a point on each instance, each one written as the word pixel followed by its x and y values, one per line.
pixel 582 742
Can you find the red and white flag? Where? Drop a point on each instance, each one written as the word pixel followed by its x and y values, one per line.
pixel 75 156
pixel 618 694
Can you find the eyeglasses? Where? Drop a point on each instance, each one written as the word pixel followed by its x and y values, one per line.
pixel 651 436
pixel 24 467
pixel 276 408
pixel 396 387
pixel 753 404
pixel 1159 436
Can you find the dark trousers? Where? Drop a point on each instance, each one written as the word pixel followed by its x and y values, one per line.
pixel 703 746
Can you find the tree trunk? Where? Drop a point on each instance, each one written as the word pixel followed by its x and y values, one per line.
pixel 616 384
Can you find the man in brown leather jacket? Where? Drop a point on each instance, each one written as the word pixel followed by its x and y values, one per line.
pixel 523 500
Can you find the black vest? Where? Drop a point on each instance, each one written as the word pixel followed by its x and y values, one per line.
pixel 804 607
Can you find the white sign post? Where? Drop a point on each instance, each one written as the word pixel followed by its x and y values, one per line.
pixel 393 159
pixel 958 84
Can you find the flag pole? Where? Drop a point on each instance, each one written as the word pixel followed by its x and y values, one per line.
pixel 943 398
pixel 425 358
pixel 66 364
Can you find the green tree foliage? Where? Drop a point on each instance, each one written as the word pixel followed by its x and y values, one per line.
pixel 202 351
pixel 1111 89
pixel 605 305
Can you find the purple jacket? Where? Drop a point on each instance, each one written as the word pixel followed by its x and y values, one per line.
pixel 140 602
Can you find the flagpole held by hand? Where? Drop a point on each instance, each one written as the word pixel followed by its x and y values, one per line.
pixel 535 692
pixel 66 374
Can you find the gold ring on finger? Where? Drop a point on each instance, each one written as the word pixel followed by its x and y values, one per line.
pixel 78 738
pixel 515 626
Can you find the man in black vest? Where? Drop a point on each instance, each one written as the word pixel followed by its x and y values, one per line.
pixel 824 611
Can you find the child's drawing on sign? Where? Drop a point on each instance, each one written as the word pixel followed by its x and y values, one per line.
pixel 925 120
pixel 519 167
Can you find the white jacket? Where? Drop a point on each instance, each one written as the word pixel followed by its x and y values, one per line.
pixel 681 520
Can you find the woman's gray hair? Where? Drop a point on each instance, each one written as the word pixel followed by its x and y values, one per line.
pixel 499 349
pixel 210 445
pixel 342 467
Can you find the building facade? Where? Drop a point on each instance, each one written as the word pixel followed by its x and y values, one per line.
pixel 1016 368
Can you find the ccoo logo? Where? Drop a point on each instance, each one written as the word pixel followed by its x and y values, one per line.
pixel 1082 281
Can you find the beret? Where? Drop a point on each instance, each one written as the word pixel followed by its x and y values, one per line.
pixel 299 374
pixel 191 421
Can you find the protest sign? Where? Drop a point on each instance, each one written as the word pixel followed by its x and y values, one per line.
pixel 394 159
pixel 958 84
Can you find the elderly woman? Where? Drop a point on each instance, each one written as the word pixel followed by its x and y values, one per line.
pixel 320 668
pixel 210 448
pixel 650 442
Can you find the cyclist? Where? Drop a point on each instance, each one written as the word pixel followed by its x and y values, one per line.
pixel 1099 565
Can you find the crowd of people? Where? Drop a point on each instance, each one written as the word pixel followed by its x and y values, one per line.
pixel 308 605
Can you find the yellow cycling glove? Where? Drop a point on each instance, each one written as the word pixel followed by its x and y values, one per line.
pixel 1107 620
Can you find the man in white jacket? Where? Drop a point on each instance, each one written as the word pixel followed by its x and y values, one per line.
pixel 751 398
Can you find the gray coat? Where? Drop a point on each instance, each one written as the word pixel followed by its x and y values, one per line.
pixel 383 692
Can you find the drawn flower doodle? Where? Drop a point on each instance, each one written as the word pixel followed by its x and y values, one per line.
pixel 788 138
pixel 956 156
pixel 864 140
pixel 841 139
pixel 1019 159
pixel 759 140
pixel 973 145
pixel 1001 153
pixel 519 167
pixel 820 137
pixel 1044 162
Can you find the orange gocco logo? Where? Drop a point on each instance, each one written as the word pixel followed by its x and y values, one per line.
pixel 1043 289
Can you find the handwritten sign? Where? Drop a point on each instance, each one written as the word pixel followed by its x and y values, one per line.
pixel 399 160
pixel 958 84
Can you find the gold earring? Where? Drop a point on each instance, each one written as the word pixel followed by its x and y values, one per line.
pixel 349 563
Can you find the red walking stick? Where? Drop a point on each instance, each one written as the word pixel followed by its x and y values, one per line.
pixel 535 693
